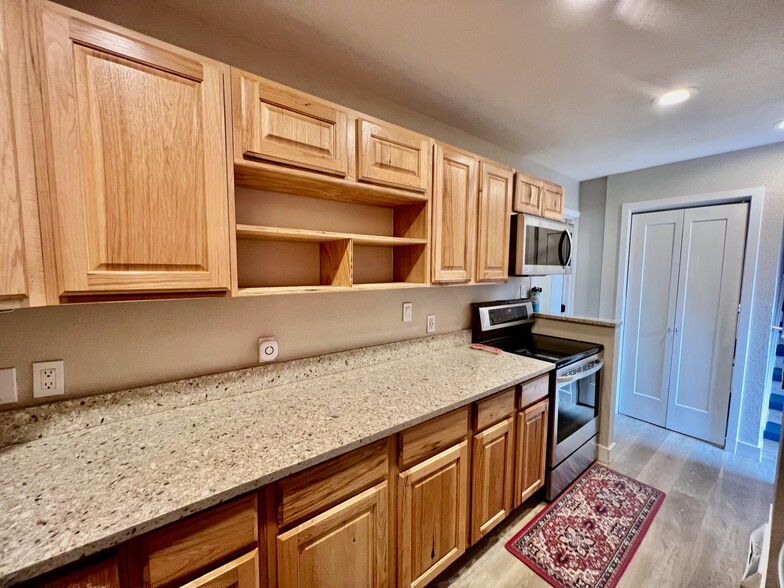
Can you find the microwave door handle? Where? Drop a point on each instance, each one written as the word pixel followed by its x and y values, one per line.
pixel 571 248
pixel 564 236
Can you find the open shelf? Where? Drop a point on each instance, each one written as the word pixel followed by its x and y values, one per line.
pixel 277 178
pixel 311 236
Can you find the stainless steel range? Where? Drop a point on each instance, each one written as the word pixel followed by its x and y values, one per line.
pixel 574 385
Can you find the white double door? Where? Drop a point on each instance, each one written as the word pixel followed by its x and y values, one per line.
pixel 680 322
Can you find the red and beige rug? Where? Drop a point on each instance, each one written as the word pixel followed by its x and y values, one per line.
pixel 587 536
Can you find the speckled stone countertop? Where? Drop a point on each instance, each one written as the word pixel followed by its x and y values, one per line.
pixel 78 492
pixel 587 320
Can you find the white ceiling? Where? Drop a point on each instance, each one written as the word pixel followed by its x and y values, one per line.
pixel 567 83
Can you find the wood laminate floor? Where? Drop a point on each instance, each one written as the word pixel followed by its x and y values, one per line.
pixel 699 538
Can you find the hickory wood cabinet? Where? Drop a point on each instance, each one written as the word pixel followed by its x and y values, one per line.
pixel 135 148
pixel 472 201
pixel 395 512
pixel 538 197
pixel 21 263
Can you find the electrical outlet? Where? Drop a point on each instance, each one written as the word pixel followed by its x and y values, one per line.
pixel 8 386
pixel 48 379
pixel 408 312
pixel 431 323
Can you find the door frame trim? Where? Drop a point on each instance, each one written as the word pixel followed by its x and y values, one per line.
pixel 756 198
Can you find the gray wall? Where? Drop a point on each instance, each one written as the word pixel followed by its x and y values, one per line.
pixel 588 278
pixel 762 166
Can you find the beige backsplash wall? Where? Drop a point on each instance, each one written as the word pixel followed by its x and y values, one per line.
pixel 113 346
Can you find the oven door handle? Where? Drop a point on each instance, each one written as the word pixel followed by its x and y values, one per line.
pixel 569 379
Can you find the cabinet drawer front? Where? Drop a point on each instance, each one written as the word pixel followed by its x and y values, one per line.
pixel 136 132
pixel 432 515
pixel 392 156
pixel 534 390
pixel 422 441
pixel 307 493
pixel 493 484
pixel 494 409
pixel 495 209
pixel 200 542
pixel 282 125
pixel 344 546
pixel 102 570
pixel 528 194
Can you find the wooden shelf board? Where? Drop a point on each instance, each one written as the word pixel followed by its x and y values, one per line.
pixel 268 290
pixel 388 285
pixel 265 176
pixel 307 235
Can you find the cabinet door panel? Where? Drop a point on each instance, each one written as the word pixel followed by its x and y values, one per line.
pixel 495 208
pixel 433 509
pixel 392 156
pixel 553 201
pixel 137 145
pixel 531 450
pixel 528 194
pixel 282 125
pixel 492 483
pixel 243 572
pixel 21 269
pixel 455 193
pixel 344 547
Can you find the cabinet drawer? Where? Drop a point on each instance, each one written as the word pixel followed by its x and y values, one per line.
pixel 321 487
pixel 534 390
pixel 243 572
pixel 101 570
pixel 494 409
pixel 200 543
pixel 422 441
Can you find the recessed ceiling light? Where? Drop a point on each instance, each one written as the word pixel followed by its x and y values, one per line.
pixel 780 125
pixel 675 96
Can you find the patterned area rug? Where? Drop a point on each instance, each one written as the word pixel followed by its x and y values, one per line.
pixel 588 535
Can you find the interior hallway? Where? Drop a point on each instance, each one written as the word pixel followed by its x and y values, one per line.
pixel 699 538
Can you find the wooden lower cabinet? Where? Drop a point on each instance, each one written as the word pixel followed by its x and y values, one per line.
pixel 531 450
pixel 345 546
pixel 432 515
pixel 243 572
pixel 492 479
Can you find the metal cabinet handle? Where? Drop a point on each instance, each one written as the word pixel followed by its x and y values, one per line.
pixel 777 328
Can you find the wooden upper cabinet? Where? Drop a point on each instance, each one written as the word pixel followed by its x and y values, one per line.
pixel 495 209
pixel 279 124
pixel 531 450
pixel 553 201
pixel 455 194
pixel 528 194
pixel 21 266
pixel 432 516
pixel 136 141
pixel 344 546
pixel 392 156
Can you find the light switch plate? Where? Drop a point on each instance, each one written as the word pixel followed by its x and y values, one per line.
pixel 8 391
pixel 48 378
pixel 408 312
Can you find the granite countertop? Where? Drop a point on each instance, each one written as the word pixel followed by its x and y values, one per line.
pixel 79 492
pixel 587 320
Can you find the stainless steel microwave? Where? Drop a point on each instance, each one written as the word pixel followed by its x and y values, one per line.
pixel 540 246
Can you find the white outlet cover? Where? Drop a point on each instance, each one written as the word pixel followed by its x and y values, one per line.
pixel 59 378
pixel 8 386
pixel 408 312
pixel 431 323
pixel 268 349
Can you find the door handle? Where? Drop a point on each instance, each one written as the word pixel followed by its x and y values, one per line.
pixel 777 328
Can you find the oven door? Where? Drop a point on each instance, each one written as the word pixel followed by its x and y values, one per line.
pixel 575 407
pixel 541 246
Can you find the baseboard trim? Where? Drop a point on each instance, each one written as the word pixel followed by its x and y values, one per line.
pixel 605 453
pixel 748 450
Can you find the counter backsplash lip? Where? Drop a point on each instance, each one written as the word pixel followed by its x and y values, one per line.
pixel 20 425
pixel 77 493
